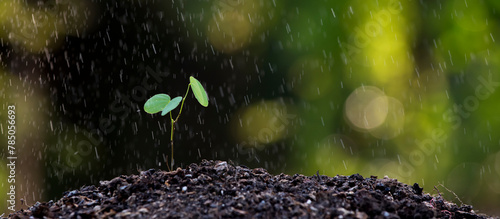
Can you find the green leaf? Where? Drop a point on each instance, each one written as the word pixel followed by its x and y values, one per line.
pixel 156 103
pixel 199 91
pixel 172 105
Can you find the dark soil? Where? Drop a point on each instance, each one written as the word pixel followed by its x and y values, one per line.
pixel 216 189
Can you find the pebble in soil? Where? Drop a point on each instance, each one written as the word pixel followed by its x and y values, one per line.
pixel 216 189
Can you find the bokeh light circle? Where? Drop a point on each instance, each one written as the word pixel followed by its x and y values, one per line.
pixel 366 108
pixel 261 123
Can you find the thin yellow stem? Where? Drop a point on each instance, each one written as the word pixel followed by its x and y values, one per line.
pixel 172 121
pixel 172 157
pixel 182 104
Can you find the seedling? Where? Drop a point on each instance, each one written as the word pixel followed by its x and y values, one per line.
pixel 163 103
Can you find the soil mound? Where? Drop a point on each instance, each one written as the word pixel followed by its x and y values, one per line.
pixel 216 189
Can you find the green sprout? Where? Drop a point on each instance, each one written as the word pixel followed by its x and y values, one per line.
pixel 163 103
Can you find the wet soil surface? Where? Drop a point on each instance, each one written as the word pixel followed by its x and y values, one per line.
pixel 216 189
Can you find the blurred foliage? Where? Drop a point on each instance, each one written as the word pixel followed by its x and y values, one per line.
pixel 401 88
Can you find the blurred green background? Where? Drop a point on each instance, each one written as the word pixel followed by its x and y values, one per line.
pixel 407 89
